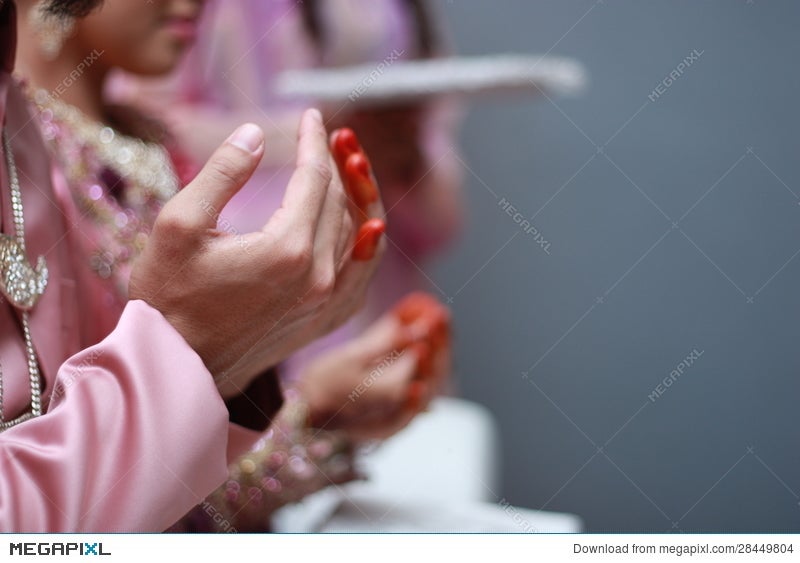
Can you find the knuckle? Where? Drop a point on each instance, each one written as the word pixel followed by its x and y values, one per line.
pixel 170 227
pixel 348 224
pixel 299 257
pixel 324 282
pixel 229 166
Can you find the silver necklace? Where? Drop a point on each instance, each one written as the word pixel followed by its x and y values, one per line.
pixel 21 285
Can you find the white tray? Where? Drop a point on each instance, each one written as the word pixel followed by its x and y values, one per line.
pixel 390 82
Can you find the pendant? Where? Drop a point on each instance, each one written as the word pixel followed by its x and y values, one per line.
pixel 20 284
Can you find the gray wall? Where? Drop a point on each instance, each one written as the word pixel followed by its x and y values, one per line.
pixel 667 236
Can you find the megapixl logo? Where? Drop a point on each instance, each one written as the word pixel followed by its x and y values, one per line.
pixel 47 548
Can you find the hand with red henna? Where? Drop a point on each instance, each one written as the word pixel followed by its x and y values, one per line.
pixel 429 322
pixel 361 188
pixel 374 385
pixel 246 302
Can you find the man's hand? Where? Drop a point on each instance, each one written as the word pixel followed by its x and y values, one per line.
pixel 244 302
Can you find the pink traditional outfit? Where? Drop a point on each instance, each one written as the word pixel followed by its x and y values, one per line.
pixel 133 432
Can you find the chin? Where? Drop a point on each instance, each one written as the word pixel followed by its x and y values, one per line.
pixel 155 70
pixel 156 66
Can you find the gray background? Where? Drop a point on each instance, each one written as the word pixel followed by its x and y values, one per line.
pixel 674 225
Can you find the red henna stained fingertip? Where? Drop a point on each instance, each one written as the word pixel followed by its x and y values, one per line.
pixel 349 139
pixel 359 180
pixel 343 144
pixel 421 306
pixel 427 318
pixel 367 239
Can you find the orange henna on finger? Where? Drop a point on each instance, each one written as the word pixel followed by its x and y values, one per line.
pixel 420 307
pixel 359 181
pixel 343 143
pixel 429 322
pixel 367 239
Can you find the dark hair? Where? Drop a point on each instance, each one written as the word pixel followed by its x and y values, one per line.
pixel 426 41
pixel 71 8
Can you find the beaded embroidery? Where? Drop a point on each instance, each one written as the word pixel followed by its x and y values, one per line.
pixel 118 181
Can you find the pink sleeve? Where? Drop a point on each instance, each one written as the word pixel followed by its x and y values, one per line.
pixel 135 436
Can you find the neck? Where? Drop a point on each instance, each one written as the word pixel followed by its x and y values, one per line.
pixel 75 76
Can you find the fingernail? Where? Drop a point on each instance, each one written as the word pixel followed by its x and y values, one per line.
pixel 315 114
pixel 343 144
pixel 248 137
pixel 349 140
pixel 357 163
pixel 367 239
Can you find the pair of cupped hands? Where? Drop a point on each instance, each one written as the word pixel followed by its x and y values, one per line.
pixel 246 301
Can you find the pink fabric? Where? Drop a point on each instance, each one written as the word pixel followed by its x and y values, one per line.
pixel 136 433
pixel 116 451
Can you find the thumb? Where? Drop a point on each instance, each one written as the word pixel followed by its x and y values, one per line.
pixel 228 169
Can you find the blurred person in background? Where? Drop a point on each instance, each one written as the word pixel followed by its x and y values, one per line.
pixel 227 77
pixel 119 168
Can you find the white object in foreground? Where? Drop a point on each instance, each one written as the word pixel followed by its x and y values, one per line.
pixel 438 475
pixel 367 513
